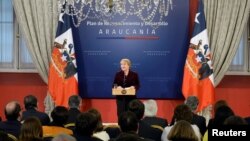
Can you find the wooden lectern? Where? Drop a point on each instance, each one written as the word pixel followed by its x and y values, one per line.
pixel 125 91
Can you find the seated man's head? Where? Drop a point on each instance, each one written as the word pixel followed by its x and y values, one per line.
pixel 128 122
pixel 30 102
pixel 192 102
pixel 150 108
pixel 75 101
pixel 98 117
pixel 59 115
pixel 137 107
pixel 219 104
pixel 12 111
pixel 183 112
pixel 86 124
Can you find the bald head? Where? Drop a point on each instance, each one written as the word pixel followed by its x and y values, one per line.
pixel 12 110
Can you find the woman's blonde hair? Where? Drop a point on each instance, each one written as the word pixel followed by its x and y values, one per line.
pixel 182 131
pixel 126 61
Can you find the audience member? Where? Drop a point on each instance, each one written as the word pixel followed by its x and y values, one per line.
pixel 230 120
pixel 128 123
pixel 217 105
pixel 59 116
pixel 192 102
pixel 222 113
pixel 63 137
pixel 150 114
pixel 247 120
pixel 75 103
pixel 99 132
pixel 144 130
pixel 85 127
pixel 181 112
pixel 13 115
pixel 235 120
pixel 30 103
pixel 31 130
pixel 127 137
pixel 182 131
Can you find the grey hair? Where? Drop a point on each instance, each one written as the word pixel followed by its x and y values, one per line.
pixel 74 101
pixel 150 108
pixel 63 137
pixel 192 102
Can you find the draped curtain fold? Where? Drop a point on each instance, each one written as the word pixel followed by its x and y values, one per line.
pixel 38 22
pixel 225 20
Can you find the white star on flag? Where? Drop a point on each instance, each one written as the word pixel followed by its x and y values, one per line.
pixel 198 59
pixel 196 18
pixel 64 58
pixel 61 17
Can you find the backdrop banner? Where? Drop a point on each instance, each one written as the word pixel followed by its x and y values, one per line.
pixel 153 34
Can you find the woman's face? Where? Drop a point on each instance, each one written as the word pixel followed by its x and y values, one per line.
pixel 124 66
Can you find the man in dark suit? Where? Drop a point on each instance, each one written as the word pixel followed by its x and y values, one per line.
pixel 13 114
pixel 192 102
pixel 145 130
pixel 30 103
pixel 74 103
pixel 128 123
pixel 126 78
pixel 150 114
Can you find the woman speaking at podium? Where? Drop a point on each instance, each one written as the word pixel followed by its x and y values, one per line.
pixel 125 79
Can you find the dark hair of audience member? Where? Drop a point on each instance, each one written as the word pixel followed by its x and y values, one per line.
pixel 127 137
pixel 12 113
pixel 74 101
pixel 30 102
pixel 235 120
pixel 85 124
pixel 183 112
pixel 31 130
pixel 218 104
pixel 59 115
pixel 137 107
pixel 128 122
pixel 182 131
pixel 222 113
pixel 98 117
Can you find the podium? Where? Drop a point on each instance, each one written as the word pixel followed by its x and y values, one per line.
pixel 129 91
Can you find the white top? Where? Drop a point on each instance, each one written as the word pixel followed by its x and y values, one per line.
pixel 103 135
pixel 168 128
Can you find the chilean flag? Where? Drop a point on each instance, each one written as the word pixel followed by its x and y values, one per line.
pixel 63 81
pixel 198 77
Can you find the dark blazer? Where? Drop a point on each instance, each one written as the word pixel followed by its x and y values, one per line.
pixel 247 120
pixel 134 136
pixel 200 121
pixel 85 138
pixel 73 113
pixel 146 131
pixel 43 117
pixel 131 79
pixel 156 121
pixel 11 126
pixel 210 123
